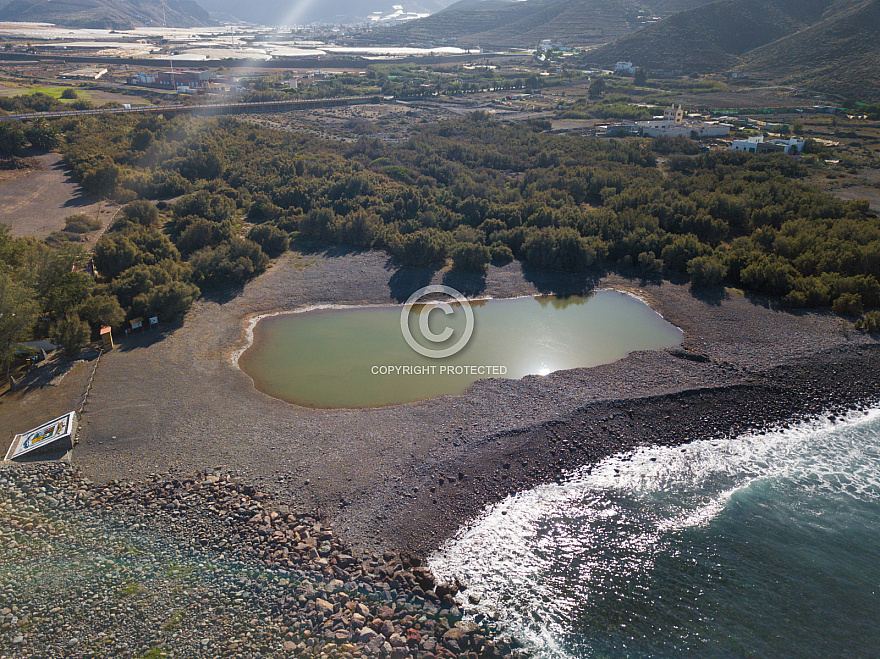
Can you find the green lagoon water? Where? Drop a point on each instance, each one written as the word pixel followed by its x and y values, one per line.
pixel 329 358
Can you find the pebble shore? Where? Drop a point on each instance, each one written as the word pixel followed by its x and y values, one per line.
pixel 205 566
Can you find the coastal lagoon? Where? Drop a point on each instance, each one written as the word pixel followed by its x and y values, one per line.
pixel 766 545
pixel 358 357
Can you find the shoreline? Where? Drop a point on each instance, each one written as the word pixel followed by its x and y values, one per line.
pixel 372 470
pixel 249 326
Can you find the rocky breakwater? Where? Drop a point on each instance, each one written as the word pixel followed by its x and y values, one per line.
pixel 205 566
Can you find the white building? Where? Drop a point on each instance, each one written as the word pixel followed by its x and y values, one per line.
pixel 624 66
pixel 89 73
pixel 758 144
pixel 674 124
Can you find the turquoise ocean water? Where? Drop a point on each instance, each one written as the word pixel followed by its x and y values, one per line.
pixel 760 546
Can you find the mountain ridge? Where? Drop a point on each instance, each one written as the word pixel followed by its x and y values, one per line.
pixel 712 37
pixel 513 23
pixel 829 46
pixel 108 14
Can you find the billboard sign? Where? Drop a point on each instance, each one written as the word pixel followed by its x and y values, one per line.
pixel 49 433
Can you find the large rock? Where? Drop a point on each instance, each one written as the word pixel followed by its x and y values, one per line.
pixel 457 636
pixel 424 578
pixel 324 606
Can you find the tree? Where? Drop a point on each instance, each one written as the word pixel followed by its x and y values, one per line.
pixel 501 253
pixel 100 310
pixel 559 249
pixel 71 333
pixel 649 264
pixel 214 207
pixel 69 94
pixel 597 87
pixel 66 293
pixel 640 79
pixel 18 311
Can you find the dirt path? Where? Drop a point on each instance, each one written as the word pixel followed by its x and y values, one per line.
pixel 35 203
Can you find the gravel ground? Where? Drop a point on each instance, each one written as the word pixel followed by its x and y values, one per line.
pixel 406 477
pixel 35 203
pixel 204 566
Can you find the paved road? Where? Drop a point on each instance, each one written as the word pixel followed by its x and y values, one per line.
pixel 208 108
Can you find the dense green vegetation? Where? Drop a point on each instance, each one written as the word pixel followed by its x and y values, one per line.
pixel 569 203
pixel 39 102
pixel 612 107
pixel 467 191
pixel 45 291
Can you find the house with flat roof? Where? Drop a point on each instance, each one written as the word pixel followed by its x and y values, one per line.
pixel 674 123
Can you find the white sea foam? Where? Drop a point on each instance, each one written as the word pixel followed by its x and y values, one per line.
pixel 536 557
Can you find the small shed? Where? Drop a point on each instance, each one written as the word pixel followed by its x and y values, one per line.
pixel 107 338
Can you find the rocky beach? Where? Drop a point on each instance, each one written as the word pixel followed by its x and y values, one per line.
pixel 204 566
pixel 382 483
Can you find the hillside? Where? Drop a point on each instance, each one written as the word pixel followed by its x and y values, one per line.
pixel 839 54
pixel 512 23
pixel 712 37
pixel 113 14
pixel 287 12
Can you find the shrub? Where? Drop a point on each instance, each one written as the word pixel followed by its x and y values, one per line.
pixel 666 145
pixel 12 139
pixel 71 333
pixel 167 301
pixel 684 248
pixel 43 135
pixel 141 212
pixel 500 252
pixel 649 264
pixel 422 248
pixel 271 239
pixel 81 224
pixel 869 323
pixel 119 251
pixel 213 207
pixel 706 271
pixel 470 257
pixel 848 304
pixel 69 94
pixel 230 263
pixel 559 249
